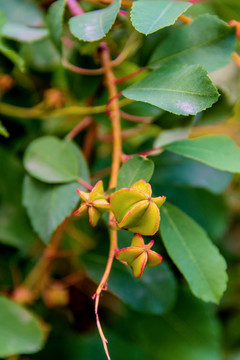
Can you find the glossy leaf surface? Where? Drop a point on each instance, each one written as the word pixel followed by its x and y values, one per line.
pixel 208 41
pixel 134 169
pixel 182 90
pixel 150 16
pixel 94 25
pixel 51 203
pixel 219 152
pixel 51 160
pixel 55 22
pixel 194 254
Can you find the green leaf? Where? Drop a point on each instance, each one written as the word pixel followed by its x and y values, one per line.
pixel 41 55
pixel 3 130
pixel 153 293
pixel 208 210
pixel 51 160
pixel 94 25
pixel 149 16
pixel 174 170
pixel 20 332
pixel 182 90
pixel 136 168
pixel 190 331
pixel 208 41
pixel 48 205
pixel 22 33
pixel 25 12
pixel 55 22
pixel 217 151
pixel 12 55
pixel 13 218
pixel 194 254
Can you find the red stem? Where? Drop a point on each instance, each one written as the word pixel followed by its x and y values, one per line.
pixel 74 7
pixel 129 76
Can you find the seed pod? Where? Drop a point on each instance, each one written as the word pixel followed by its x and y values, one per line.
pixel 139 255
pixel 135 209
pixel 94 203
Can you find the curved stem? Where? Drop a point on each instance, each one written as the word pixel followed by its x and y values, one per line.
pixel 79 70
pixel 114 114
pixel 38 112
pixel 79 127
pixel 74 7
pixel 129 76
pixel 116 160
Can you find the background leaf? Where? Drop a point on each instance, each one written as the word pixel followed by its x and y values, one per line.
pixel 136 168
pixel 20 332
pixel 208 41
pixel 22 33
pixel 15 227
pixel 12 55
pixel 219 152
pixel 150 16
pixel 55 22
pixel 189 331
pixel 94 25
pixel 153 293
pixel 192 251
pixel 174 170
pixel 182 90
pixel 3 130
pixel 48 205
pixel 51 160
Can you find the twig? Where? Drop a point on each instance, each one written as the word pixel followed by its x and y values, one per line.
pixel 185 19
pixel 79 70
pixel 135 118
pixel 85 184
pixel 116 159
pixel 79 127
pixel 129 76
pixel 74 7
pixel 114 114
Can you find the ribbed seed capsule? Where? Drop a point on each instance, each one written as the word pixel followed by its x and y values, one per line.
pixel 94 203
pixel 135 209
pixel 139 255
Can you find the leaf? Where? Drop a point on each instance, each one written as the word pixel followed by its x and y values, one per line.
pixel 55 22
pixel 15 228
pixel 12 55
pixel 189 331
pixel 182 90
pixel 94 25
pixel 3 130
pixel 136 168
pixel 194 254
pixel 25 12
pixel 149 16
pixel 48 205
pixel 174 170
pixel 20 332
pixel 168 136
pixel 217 151
pixel 208 41
pixel 41 55
pixel 153 293
pixel 51 160
pixel 208 210
pixel 22 33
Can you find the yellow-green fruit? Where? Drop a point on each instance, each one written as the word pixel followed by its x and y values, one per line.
pixel 139 255
pixel 136 210
pixel 94 203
